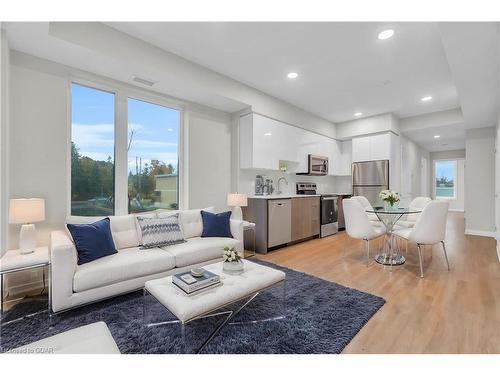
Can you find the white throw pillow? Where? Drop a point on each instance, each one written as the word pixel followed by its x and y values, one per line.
pixel 160 232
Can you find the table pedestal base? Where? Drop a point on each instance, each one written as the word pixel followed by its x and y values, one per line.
pixel 390 259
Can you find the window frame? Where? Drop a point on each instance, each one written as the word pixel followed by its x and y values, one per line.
pixel 121 93
pixel 179 143
pixel 455 176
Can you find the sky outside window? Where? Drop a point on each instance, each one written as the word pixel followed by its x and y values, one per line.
pixel 445 178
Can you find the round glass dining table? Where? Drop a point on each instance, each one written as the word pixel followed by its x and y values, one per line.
pixel 390 254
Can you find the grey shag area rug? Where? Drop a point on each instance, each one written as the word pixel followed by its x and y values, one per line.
pixel 321 317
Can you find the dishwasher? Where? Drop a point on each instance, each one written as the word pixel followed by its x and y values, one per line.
pixel 279 222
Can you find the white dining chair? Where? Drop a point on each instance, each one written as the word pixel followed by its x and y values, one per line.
pixel 417 203
pixel 429 229
pixel 358 226
pixel 367 206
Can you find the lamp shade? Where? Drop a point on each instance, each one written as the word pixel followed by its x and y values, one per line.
pixel 237 200
pixel 23 211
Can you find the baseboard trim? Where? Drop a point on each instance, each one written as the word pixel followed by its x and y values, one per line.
pixel 455 210
pixel 482 233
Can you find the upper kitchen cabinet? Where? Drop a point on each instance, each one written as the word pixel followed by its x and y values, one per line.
pixel 345 160
pixel 372 147
pixel 265 142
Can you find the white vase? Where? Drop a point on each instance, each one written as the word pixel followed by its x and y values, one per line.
pixel 233 267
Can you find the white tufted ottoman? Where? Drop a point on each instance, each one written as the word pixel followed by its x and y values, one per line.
pixel 241 287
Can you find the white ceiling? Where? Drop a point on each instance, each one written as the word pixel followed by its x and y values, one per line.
pixel 451 137
pixel 343 68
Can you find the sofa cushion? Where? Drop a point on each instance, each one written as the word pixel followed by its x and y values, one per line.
pixel 92 241
pixel 191 222
pixel 125 265
pixel 198 249
pixel 123 228
pixel 80 220
pixel 124 231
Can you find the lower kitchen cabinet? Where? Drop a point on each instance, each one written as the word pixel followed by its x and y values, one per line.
pixel 305 217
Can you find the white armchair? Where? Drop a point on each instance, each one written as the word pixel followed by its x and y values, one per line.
pixel 358 226
pixel 429 229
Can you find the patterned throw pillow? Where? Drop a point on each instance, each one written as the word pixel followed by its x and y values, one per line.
pixel 160 232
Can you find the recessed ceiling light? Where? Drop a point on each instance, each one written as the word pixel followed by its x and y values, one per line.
pixel 386 34
pixel 292 75
pixel 357 114
pixel 426 98
pixel 437 136
pixel 268 134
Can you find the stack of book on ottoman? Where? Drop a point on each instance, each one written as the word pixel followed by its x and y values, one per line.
pixel 196 280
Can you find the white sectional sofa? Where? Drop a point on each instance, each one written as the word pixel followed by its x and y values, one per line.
pixel 127 270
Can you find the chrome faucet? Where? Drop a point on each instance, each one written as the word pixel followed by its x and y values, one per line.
pixel 279 180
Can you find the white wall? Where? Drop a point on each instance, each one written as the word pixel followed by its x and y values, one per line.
pixel 209 158
pixel 457 204
pixel 480 181
pixel 497 185
pixel 38 145
pixel 411 169
pixel 4 153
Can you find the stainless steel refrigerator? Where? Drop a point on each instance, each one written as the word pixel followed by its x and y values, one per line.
pixel 369 178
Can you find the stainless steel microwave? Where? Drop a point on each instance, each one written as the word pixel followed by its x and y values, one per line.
pixel 317 166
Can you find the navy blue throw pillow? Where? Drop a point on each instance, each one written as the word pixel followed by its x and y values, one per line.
pixel 92 241
pixel 216 225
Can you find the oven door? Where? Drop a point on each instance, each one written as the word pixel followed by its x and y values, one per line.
pixel 318 165
pixel 329 211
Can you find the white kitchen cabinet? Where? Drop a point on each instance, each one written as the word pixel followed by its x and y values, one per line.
pixel 380 146
pixel 334 154
pixel 372 147
pixel 361 149
pixel 265 142
pixel 345 158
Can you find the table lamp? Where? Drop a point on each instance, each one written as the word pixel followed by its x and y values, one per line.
pixel 27 212
pixel 237 201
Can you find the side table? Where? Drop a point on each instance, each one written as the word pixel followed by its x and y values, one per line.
pixel 249 226
pixel 13 261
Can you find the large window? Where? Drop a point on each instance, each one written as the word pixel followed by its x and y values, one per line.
pixel 92 151
pixel 153 159
pixel 124 152
pixel 445 183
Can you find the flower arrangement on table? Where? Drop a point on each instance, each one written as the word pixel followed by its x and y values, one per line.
pixel 231 260
pixel 390 198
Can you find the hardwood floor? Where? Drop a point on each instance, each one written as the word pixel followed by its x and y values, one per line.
pixel 446 312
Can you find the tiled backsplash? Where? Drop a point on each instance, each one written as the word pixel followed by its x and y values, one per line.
pixel 325 184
